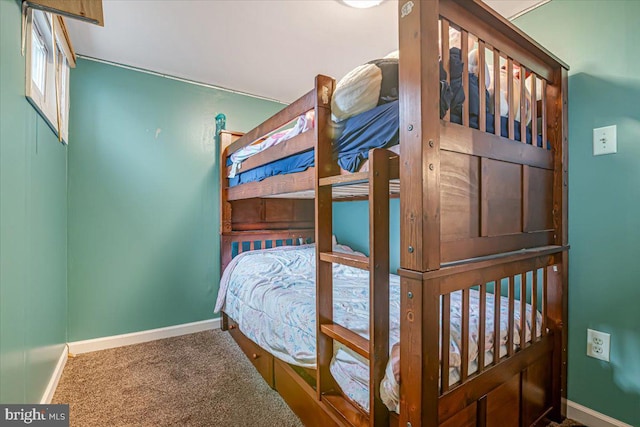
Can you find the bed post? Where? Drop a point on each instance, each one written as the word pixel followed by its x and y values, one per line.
pixel 223 140
pixel 419 352
pixel 221 124
pixel 557 121
pixel 419 135
pixel 420 209
pixel 565 237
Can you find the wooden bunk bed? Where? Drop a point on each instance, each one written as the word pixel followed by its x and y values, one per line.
pixel 478 210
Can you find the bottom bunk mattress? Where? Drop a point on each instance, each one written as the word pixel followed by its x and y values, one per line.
pixel 271 295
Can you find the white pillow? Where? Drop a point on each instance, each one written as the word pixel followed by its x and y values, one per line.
pixel 504 103
pixel 356 92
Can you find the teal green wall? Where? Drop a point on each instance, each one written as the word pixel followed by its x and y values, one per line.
pixel 600 40
pixel 33 231
pixel 143 201
pixel 351 227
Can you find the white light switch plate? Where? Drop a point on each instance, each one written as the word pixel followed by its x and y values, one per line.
pixel 605 141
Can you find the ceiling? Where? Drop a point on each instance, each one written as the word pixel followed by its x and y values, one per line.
pixel 269 48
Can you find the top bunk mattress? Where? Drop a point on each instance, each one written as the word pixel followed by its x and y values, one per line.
pixel 376 128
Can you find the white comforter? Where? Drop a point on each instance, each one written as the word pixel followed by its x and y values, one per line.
pixel 271 294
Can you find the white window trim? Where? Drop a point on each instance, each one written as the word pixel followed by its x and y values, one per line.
pixel 53 104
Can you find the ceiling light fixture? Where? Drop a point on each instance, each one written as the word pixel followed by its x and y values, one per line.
pixel 362 4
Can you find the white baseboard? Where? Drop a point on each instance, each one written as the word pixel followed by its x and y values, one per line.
pixel 591 418
pixel 86 346
pixel 47 396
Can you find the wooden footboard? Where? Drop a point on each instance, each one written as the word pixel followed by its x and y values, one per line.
pixel 515 388
pixel 483 206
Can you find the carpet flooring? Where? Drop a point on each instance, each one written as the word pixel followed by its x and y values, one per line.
pixel 201 379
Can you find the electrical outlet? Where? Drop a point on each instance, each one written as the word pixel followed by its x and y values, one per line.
pixel 598 344
pixel 605 140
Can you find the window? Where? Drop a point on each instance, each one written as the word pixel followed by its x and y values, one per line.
pixel 48 60
pixel 38 60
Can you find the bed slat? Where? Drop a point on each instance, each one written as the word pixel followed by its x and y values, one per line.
pixel 482 119
pixel 511 99
pixel 544 114
pixel 445 340
pixel 482 325
pixel 523 106
pixel 465 76
pixel 534 306
pixel 523 312
pixel 534 110
pixel 512 315
pixel 496 322
pixel 464 359
pixel 444 25
pixel 545 300
pixel 496 93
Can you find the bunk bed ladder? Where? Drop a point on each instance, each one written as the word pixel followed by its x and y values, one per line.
pixel 383 166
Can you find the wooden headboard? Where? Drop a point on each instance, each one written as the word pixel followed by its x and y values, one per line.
pixel 236 242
